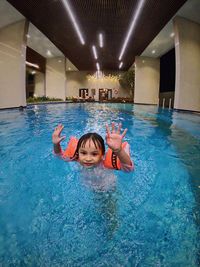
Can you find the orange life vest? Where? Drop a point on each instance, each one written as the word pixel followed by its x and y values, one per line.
pixel 111 160
pixel 71 148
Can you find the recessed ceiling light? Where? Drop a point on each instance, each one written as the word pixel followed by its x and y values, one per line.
pixel 153 51
pixel 94 51
pixel 59 60
pixel 172 34
pixel 69 68
pixel 101 40
pixel 48 53
pixel 120 65
pixel 132 26
pixel 28 36
pixel 72 17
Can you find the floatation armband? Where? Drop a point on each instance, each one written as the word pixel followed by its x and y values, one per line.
pixel 111 160
pixel 71 148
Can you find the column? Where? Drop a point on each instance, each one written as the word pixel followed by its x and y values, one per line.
pixel 12 65
pixel 187 47
pixel 147 80
pixel 55 78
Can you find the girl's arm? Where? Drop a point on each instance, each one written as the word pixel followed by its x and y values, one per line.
pixel 56 139
pixel 123 156
pixel 114 141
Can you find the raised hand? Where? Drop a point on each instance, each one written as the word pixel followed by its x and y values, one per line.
pixel 114 138
pixel 56 138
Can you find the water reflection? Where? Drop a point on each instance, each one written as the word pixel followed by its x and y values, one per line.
pixel 102 183
pixel 106 206
pixel 179 132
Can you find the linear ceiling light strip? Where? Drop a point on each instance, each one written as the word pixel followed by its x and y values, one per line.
pixel 101 40
pixel 32 65
pixel 132 26
pixel 97 65
pixel 94 52
pixel 72 17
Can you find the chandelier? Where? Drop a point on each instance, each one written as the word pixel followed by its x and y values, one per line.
pixel 100 76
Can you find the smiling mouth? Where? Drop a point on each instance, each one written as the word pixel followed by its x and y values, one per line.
pixel 88 164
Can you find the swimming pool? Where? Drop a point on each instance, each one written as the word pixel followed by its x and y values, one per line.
pixel 50 217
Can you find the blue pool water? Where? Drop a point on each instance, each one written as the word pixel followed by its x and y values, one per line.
pixel 50 217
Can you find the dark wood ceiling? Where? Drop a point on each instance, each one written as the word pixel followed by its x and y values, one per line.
pixel 33 57
pixel 112 17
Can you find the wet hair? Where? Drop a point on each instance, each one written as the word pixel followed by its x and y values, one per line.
pixel 95 138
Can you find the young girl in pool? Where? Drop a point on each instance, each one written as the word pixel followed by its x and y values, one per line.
pixel 89 150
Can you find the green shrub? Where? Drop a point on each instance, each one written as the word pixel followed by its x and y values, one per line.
pixel 41 99
pixel 68 98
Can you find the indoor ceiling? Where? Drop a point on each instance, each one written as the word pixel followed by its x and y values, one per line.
pixel 111 17
pixel 164 41
pixel 39 39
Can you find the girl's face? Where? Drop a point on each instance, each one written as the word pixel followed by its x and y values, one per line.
pixel 89 155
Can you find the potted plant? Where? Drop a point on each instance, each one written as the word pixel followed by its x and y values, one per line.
pixel 127 80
